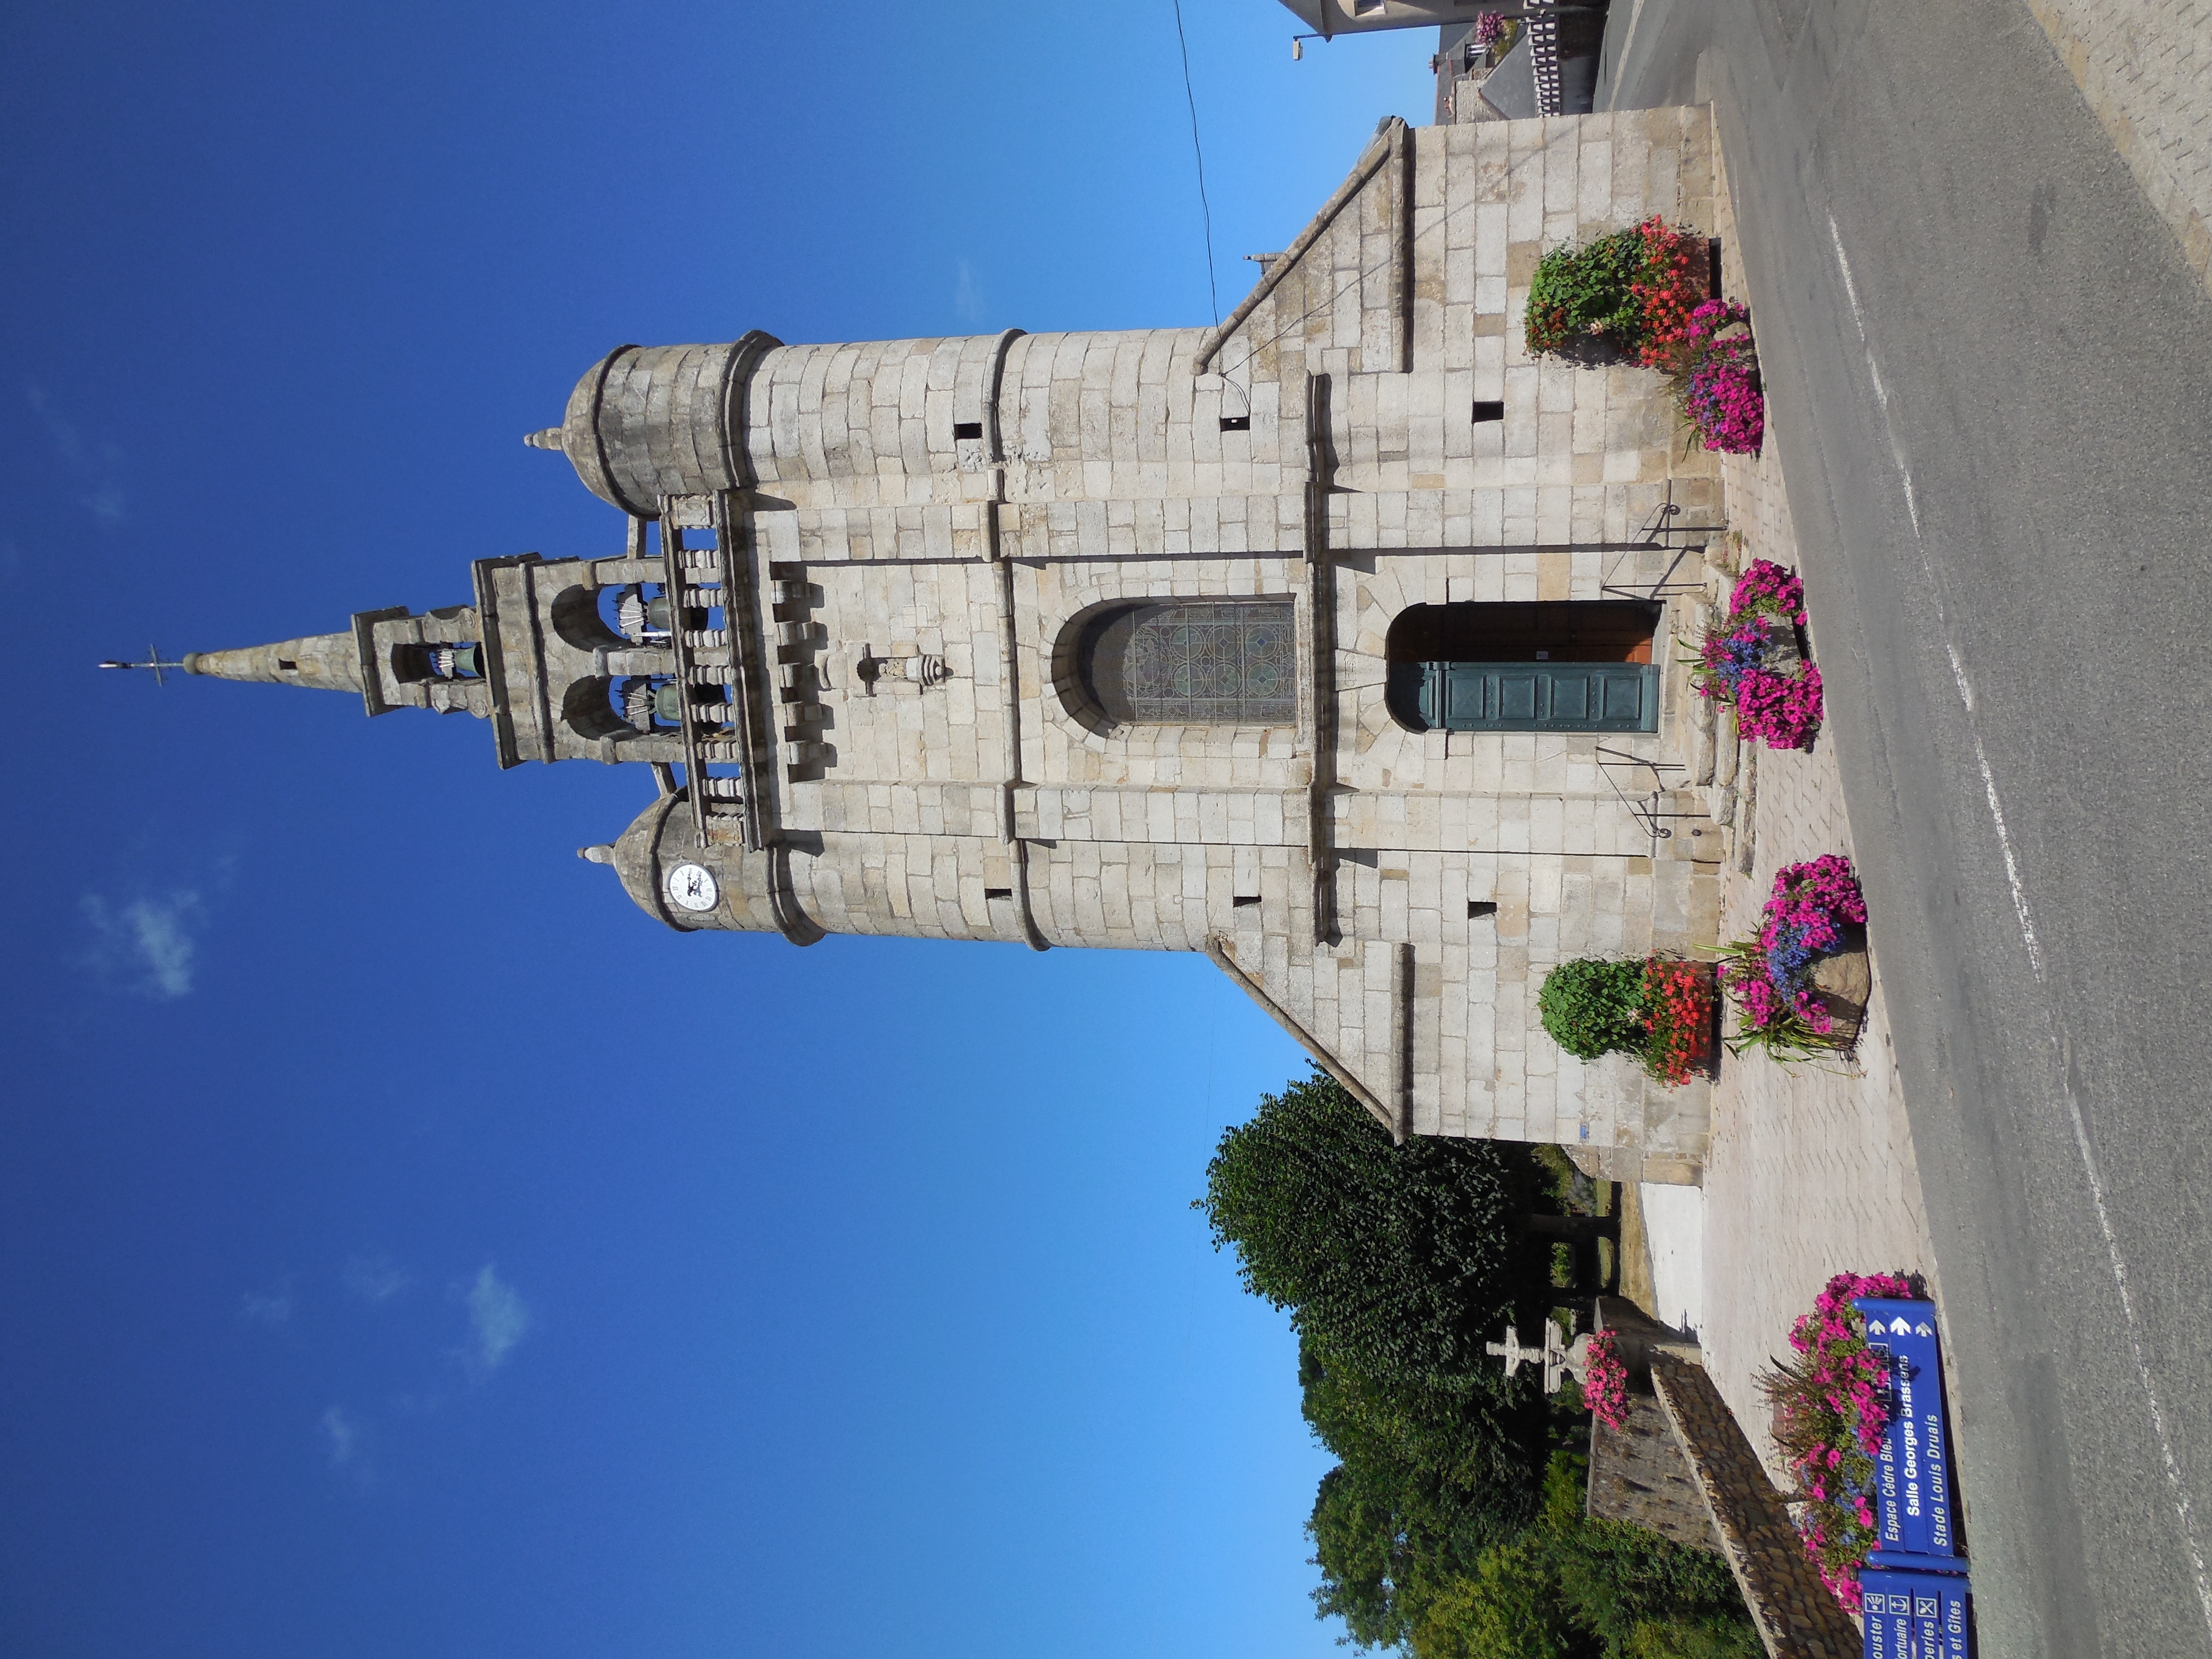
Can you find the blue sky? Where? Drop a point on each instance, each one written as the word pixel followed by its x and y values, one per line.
pixel 406 1246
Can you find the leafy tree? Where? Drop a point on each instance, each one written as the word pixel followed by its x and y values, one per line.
pixel 1507 1609
pixel 1452 1526
pixel 1398 1261
pixel 1573 1588
pixel 1434 1473
pixel 1388 1539
pixel 1482 1434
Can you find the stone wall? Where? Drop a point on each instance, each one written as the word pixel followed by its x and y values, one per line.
pixel 1796 1617
pixel 1637 1474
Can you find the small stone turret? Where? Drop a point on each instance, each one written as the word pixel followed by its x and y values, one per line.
pixel 647 423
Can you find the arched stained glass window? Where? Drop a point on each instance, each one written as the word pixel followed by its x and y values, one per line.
pixel 1209 662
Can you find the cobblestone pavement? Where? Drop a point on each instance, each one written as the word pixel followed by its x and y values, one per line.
pixel 2143 67
pixel 1811 1170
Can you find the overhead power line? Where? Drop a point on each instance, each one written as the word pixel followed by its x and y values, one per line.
pixel 1206 211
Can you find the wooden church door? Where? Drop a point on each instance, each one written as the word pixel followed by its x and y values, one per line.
pixel 1537 667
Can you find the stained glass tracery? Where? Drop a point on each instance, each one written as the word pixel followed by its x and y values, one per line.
pixel 1213 662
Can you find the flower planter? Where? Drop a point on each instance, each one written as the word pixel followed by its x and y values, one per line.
pixel 1755 661
pixel 1801 983
pixel 1784 653
pixel 1835 1404
pixel 1842 981
pixel 1594 351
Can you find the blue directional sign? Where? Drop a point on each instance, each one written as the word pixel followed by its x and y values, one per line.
pixel 1916 1615
pixel 1907 1561
pixel 1912 1479
pixel 1888 1629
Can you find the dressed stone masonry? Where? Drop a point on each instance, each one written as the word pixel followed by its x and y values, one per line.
pixel 928 638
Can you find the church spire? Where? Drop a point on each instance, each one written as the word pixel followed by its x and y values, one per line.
pixel 388 659
pixel 332 661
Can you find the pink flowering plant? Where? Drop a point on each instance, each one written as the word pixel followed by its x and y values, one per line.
pixel 1605 1381
pixel 1714 367
pixel 1752 659
pixel 1831 1407
pixel 1768 975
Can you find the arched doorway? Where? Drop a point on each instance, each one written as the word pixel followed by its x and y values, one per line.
pixel 1581 665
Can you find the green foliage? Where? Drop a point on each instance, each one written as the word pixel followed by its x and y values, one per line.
pixel 1396 1261
pixel 1452 1525
pixel 1587 291
pixel 1483 1436
pixel 1386 1541
pixel 1592 1007
pixel 1505 1609
pixel 1572 1588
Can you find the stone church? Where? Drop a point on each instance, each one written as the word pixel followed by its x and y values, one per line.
pixel 1336 642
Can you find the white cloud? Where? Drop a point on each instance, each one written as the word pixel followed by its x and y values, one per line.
pixel 497 1319
pixel 375 1278
pixel 967 298
pixel 343 1436
pixel 108 506
pixel 149 941
pixel 267 1307
pixel 101 464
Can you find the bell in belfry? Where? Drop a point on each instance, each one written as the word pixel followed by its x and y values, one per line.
pixel 640 618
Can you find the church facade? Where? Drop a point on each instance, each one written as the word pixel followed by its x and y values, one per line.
pixel 1337 641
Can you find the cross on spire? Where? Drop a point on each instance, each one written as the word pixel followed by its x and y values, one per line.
pixel 153 661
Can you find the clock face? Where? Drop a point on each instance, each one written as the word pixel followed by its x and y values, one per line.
pixel 691 886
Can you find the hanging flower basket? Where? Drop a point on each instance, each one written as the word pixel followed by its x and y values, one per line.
pixel 1680 1027
pixel 1633 292
pixel 1640 296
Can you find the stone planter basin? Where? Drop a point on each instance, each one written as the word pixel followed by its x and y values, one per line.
pixel 1843 981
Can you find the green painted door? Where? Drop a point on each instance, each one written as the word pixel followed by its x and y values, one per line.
pixel 1541 697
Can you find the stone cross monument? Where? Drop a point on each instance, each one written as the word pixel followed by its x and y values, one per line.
pixel 1560 1360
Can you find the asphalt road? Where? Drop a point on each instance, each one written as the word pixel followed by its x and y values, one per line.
pixel 1990 376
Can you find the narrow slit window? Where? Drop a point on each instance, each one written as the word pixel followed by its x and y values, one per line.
pixel 1243 899
pixel 1235 422
pixel 966 429
pixel 998 892
pixel 1489 409
pixel 1478 908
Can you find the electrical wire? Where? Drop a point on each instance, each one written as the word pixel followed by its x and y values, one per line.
pixel 1206 210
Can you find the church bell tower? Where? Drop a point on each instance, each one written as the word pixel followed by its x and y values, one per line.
pixel 1334 641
